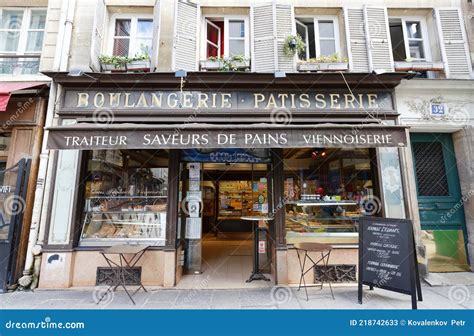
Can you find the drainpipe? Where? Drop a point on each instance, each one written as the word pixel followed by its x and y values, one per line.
pixel 43 185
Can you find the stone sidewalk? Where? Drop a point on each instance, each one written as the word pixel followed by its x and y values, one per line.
pixel 443 297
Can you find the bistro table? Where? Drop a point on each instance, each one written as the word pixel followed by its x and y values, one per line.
pixel 256 274
pixel 325 251
pixel 123 267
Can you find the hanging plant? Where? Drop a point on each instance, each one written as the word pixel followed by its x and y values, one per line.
pixel 293 44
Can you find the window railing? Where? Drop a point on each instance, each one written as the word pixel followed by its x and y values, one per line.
pixel 19 64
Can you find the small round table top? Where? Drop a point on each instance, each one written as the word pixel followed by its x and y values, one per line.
pixel 256 218
pixel 313 247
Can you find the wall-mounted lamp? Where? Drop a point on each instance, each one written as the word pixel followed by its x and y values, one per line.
pixel 79 73
pixel 180 73
pixel 280 74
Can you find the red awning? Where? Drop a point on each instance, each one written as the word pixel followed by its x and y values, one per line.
pixel 6 89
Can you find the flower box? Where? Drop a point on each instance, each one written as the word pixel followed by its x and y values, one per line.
pixel 315 66
pixel 110 67
pixel 216 65
pixel 142 65
pixel 211 64
pixel 241 64
pixel 419 66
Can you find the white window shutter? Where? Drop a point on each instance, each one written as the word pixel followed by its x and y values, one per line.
pixel 97 35
pixel 356 41
pixel 453 40
pixel 379 47
pixel 156 35
pixel 285 25
pixel 185 49
pixel 263 38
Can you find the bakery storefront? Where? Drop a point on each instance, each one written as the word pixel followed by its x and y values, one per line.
pixel 179 163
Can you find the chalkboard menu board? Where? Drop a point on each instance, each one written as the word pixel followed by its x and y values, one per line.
pixel 387 256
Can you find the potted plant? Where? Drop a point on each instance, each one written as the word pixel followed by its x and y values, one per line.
pixel 324 63
pixel 293 44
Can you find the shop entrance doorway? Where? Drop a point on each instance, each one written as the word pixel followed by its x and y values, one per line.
pixel 222 256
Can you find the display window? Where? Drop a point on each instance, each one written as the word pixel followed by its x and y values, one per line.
pixel 326 192
pixel 125 197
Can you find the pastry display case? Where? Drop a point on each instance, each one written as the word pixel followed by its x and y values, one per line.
pixel 327 194
pixel 322 216
pixel 125 199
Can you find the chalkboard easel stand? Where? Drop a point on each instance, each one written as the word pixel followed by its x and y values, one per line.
pixel 415 285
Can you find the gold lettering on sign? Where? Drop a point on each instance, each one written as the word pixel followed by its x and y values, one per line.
pixel 258 98
pixel 156 99
pixel 127 100
pixel 172 100
pixel 271 101
pixel 214 95
pixel 187 99
pixel 225 103
pixel 282 97
pixel 114 98
pixel 335 100
pixel 202 100
pixel 361 101
pixel 99 99
pixel 320 99
pixel 349 99
pixel 371 97
pixel 142 101
pixel 293 104
pixel 82 99
pixel 304 98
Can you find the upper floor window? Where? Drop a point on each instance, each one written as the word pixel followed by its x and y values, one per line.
pixel 21 39
pixel 226 36
pixel 321 36
pixel 409 39
pixel 131 36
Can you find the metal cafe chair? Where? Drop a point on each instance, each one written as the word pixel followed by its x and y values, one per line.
pixel 325 251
